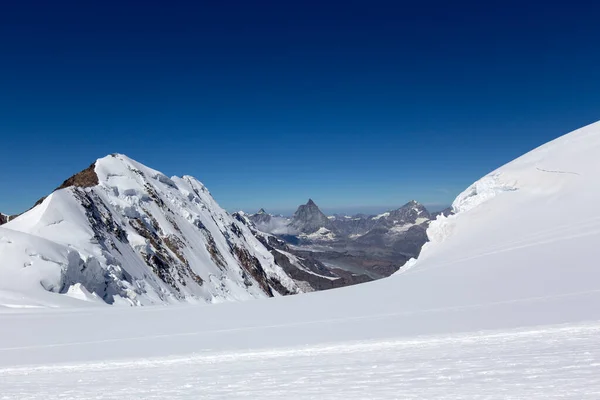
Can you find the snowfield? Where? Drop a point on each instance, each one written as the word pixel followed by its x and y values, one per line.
pixel 504 303
pixel 519 364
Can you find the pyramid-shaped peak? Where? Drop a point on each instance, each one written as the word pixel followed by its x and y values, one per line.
pixel 261 211
pixel 309 218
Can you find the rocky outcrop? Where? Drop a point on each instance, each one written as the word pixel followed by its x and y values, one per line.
pixel 83 179
pixel 4 218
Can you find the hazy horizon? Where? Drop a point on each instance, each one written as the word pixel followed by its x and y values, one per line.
pixel 348 210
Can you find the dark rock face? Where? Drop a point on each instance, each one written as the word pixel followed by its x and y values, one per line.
pixel 261 217
pixel 412 242
pixel 6 218
pixel 308 218
pixel 252 266
pixel 446 212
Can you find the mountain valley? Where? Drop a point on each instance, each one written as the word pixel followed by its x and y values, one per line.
pixel 366 247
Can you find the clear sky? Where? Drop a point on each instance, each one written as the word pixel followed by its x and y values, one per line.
pixel 354 103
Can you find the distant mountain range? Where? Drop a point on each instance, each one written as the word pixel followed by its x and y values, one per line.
pixel 371 245
pixel 311 225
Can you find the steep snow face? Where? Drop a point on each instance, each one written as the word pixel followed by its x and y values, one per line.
pixel 526 229
pixel 136 236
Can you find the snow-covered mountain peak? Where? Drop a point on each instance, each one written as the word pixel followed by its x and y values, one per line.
pixel 134 233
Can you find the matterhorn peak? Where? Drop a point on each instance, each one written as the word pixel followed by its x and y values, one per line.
pixel 309 218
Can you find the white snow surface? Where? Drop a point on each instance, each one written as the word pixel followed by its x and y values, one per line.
pixel 321 234
pixel 383 215
pixel 502 304
pixel 54 245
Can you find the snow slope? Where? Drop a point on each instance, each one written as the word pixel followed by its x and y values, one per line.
pixel 127 234
pixel 503 303
pixel 524 364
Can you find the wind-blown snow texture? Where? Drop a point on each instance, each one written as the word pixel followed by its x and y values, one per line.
pixel 503 303
pixel 135 237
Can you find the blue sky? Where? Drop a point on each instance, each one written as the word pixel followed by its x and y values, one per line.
pixel 354 104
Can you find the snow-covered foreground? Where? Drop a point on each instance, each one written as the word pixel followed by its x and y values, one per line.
pixel 504 302
pixel 558 362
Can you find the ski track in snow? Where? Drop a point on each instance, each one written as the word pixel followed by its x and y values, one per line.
pixel 550 362
pixel 558 172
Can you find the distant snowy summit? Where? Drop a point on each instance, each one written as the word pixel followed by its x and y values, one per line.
pixel 405 224
pixel 120 232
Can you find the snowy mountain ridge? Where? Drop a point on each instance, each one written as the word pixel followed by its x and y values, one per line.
pixel 129 234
